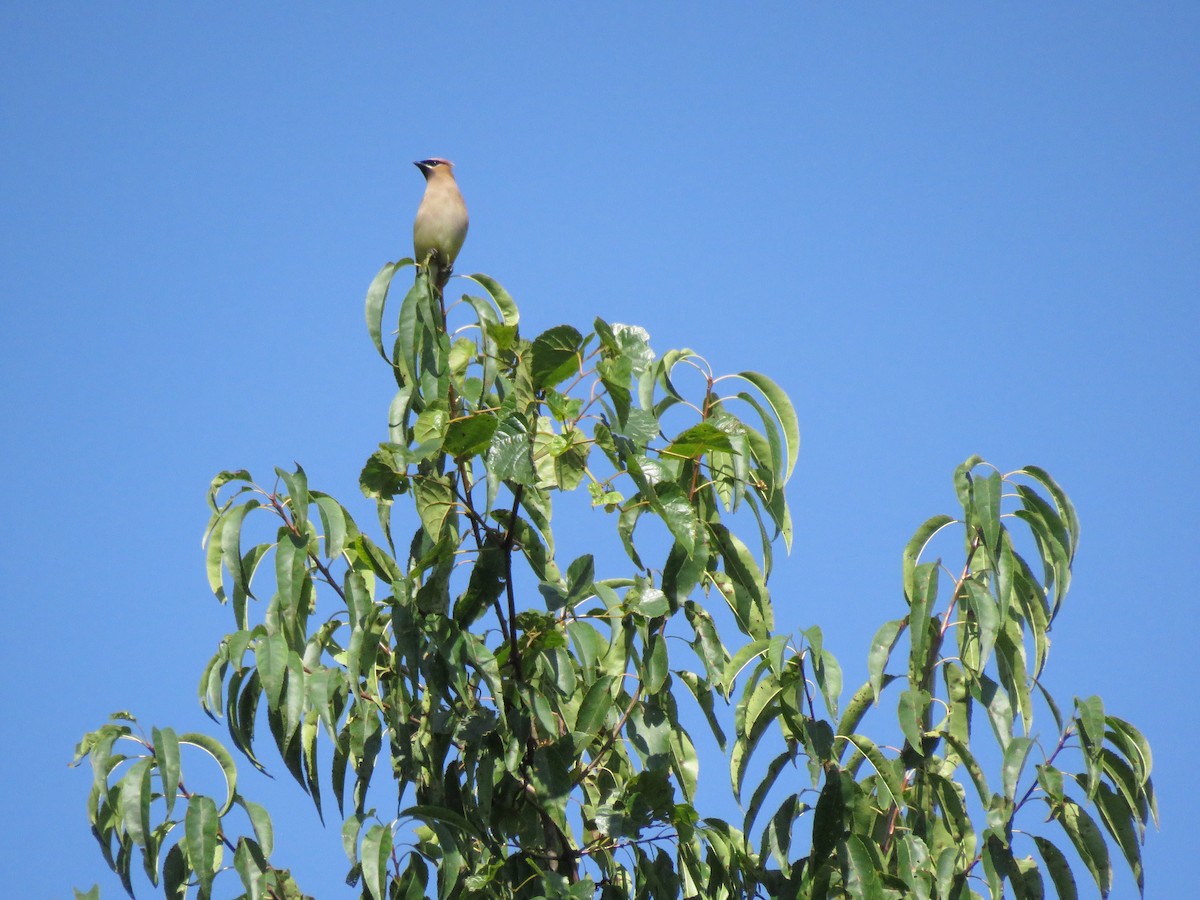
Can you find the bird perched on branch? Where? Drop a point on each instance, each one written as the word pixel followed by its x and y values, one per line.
pixel 441 224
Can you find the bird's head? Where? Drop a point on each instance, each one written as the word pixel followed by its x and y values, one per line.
pixel 429 166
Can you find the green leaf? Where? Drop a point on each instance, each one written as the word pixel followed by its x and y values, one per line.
pixel 1052 542
pixel 594 709
pixel 176 873
pixel 862 876
pixel 135 801
pixel 383 476
pixel 778 835
pixel 430 813
pixel 1015 755
pixel 911 709
pixel 962 749
pixel 376 298
pixel 213 748
pixel 881 650
pixel 615 375
pixel 1122 775
pixel 985 617
pixel 1133 745
pixel 829 679
pixel 739 661
pixel 784 412
pixel 411 336
pixel 707 643
pixel 774 767
pixel 294 699
pixel 271 655
pixel 769 453
pixel 291 571
pixel 958 702
pixel 260 821
pixel 470 436
pixel 429 431
pixel 166 753
pixel 1050 780
pixel 1010 662
pixel 755 614
pixel 654 669
pixel 699 439
pixel 556 356
pixel 398 414
pixel 1062 503
pixel 985 496
pixel 335 522
pixel 650 732
pixel 376 852
pixel 916 546
pixel 231 545
pixel 915 866
pixel 510 457
pixel 1090 716
pixel 829 830
pixel 251 865
pixel 1085 834
pixel 889 777
pixel 1059 869
pixel 922 627
pixel 502 299
pixel 200 835
pixel 1118 818
pixel 486 583
pixel 999 710
pixel 298 495
pixel 590 645
pixel 703 692
pixel 759 701
pixel 859 703
pixel 680 516
pixel 436 504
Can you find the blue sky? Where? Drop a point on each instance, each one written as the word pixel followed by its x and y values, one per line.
pixel 943 228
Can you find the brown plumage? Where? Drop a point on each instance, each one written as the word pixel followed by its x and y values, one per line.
pixel 441 224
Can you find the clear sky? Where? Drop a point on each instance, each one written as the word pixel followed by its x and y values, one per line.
pixel 944 228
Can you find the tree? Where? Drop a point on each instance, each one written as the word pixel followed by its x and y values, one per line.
pixel 532 715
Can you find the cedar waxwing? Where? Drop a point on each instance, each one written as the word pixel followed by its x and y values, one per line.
pixel 441 223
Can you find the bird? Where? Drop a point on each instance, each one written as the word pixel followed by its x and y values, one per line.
pixel 441 223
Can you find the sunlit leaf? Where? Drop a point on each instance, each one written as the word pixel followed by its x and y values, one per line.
pixel 376 853
pixel 556 356
pixel 911 709
pixel 213 748
pixel 889 778
pixel 376 298
pixel 1015 755
pixel 881 649
pixel 501 297
pixel 784 412
pixel 916 546
pixel 135 801
pixel 1085 834
pixel 200 829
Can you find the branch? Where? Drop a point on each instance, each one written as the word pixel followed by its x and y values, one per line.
pixel 608 742
pixel 506 548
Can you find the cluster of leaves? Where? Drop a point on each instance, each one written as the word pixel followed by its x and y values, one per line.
pixel 904 822
pixel 530 713
pixel 120 814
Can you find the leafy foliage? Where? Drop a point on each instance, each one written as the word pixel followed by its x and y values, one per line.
pixel 526 713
